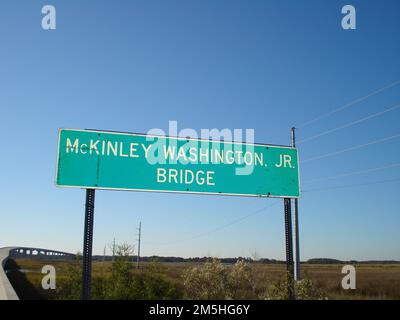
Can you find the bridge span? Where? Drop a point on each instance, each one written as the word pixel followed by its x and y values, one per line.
pixel 7 292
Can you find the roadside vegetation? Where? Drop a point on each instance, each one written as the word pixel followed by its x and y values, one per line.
pixel 214 281
pixel 120 279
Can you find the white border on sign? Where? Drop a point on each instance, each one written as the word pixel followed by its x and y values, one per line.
pixel 174 191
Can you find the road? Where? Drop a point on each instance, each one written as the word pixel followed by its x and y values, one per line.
pixel 7 292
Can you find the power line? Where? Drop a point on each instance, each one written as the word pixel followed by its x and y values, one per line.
pixel 310 190
pixel 224 225
pixel 348 105
pixel 275 203
pixel 343 175
pixel 236 221
pixel 352 185
pixel 350 124
pixel 351 148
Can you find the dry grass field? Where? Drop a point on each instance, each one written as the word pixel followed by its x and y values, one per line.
pixel 374 281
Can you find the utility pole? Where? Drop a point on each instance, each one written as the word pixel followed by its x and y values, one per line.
pixel 138 253
pixel 113 250
pixel 296 224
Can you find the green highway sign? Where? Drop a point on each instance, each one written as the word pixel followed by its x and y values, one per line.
pixel 125 161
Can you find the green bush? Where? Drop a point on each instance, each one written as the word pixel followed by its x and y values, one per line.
pixel 206 282
pixel 241 283
pixel 69 286
pixel 214 281
pixel 123 283
pixel 304 290
pixel 156 286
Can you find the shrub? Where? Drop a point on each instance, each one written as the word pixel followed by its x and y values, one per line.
pixel 304 290
pixel 122 283
pixel 205 282
pixel 213 281
pixel 158 287
pixel 241 283
pixel 69 286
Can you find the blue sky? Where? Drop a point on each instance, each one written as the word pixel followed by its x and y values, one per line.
pixel 265 65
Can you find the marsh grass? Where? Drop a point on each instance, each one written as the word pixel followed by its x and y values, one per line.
pixel 377 281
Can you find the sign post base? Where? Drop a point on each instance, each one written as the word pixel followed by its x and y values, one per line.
pixel 289 248
pixel 87 245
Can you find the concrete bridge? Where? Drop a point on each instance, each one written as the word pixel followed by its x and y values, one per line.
pixel 7 292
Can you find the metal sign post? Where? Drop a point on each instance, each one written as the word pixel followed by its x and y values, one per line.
pixel 296 224
pixel 95 159
pixel 289 247
pixel 87 245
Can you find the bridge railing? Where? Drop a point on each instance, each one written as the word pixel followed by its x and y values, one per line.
pixel 40 254
pixel 7 292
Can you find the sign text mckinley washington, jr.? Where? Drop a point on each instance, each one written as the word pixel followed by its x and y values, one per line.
pixel 110 160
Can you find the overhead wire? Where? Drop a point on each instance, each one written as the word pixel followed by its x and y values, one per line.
pixel 224 225
pixel 350 124
pixel 351 185
pixel 323 116
pixel 347 105
pixel 351 148
pixel 206 233
pixel 348 174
